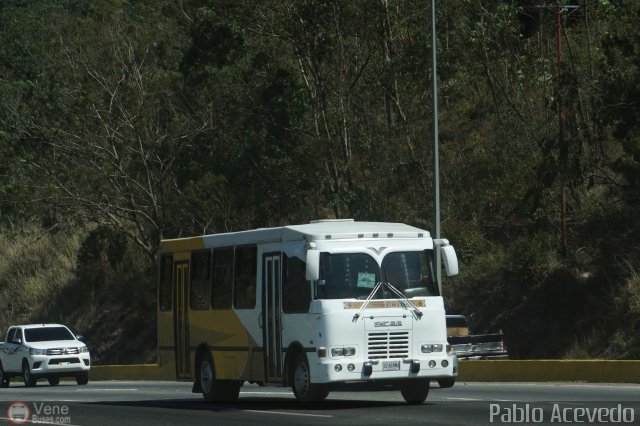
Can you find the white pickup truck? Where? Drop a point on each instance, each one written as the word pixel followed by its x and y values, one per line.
pixel 41 351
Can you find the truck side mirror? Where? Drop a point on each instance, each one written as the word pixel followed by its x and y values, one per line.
pixel 313 265
pixel 450 260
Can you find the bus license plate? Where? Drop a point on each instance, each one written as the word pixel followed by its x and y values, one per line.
pixel 390 365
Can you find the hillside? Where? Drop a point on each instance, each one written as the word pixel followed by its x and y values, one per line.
pixel 93 282
pixel 124 122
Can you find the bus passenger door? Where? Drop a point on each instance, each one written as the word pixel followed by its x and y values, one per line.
pixel 272 326
pixel 181 320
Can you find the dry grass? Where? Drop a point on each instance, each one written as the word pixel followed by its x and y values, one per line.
pixel 34 265
pixel 41 281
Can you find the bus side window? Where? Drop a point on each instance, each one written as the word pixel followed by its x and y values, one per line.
pixel 245 277
pixel 296 292
pixel 165 287
pixel 200 280
pixel 222 278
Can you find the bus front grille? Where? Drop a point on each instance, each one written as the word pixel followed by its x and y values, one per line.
pixel 388 344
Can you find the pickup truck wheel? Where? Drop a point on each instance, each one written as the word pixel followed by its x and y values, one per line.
pixel 28 378
pixel 54 381
pixel 415 391
pixel 447 382
pixel 82 379
pixel 4 379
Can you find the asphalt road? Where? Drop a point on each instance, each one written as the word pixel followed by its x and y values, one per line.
pixel 171 403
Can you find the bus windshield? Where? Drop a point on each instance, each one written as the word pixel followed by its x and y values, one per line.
pixel 354 275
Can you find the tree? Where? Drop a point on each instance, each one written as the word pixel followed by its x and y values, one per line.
pixel 115 123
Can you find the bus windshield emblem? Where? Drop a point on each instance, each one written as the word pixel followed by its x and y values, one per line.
pixel 387 324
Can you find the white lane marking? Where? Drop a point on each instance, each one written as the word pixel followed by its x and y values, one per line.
pixel 106 390
pixel 480 399
pixel 265 393
pixel 286 413
pixel 462 399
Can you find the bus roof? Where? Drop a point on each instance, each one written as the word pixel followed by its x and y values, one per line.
pixel 316 230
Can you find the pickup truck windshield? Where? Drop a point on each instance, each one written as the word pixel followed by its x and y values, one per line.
pixel 46 334
pixel 354 275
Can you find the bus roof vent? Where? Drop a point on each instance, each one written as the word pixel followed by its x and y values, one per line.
pixel 331 220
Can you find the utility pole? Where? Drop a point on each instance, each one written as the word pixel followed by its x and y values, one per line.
pixel 436 147
pixel 562 143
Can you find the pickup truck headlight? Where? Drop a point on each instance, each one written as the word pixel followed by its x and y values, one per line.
pixel 34 351
pixel 83 349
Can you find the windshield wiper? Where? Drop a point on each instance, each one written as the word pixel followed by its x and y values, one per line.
pixel 368 299
pixel 395 291
pixel 402 297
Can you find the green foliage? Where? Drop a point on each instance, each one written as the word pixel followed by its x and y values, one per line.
pixel 110 299
pixel 143 120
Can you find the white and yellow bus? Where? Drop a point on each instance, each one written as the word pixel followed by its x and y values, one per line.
pixel 319 306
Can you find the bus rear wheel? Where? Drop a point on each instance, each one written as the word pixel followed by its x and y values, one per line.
pixel 214 390
pixel 415 391
pixel 301 384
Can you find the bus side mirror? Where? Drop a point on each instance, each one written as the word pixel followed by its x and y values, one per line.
pixel 450 260
pixel 313 265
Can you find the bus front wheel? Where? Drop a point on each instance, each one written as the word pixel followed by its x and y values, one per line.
pixel 301 384
pixel 415 391
pixel 214 390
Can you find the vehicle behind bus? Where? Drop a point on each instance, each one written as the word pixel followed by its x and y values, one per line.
pixel 317 307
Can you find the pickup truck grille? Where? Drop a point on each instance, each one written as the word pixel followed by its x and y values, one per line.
pixel 388 344
pixel 64 360
pixel 63 351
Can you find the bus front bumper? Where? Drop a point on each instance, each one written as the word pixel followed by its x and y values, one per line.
pixel 346 370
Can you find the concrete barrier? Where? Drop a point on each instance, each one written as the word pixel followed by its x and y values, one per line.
pixel 600 371
pixel 132 372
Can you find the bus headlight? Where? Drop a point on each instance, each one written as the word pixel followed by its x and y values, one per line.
pixel 428 348
pixel 345 351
